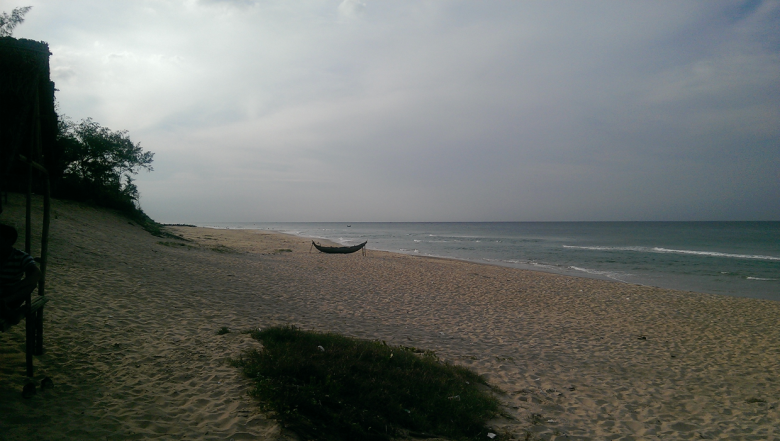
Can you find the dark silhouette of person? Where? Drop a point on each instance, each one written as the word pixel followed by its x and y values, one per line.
pixel 19 274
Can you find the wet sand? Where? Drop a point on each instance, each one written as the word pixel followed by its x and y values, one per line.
pixel 132 347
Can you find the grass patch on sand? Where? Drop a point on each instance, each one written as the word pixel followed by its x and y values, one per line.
pixel 223 330
pixel 326 386
pixel 222 249
pixel 217 249
pixel 175 244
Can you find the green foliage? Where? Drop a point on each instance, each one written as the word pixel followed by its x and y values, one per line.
pixel 9 22
pixel 330 387
pixel 176 244
pixel 98 165
pixel 222 249
pixel 223 330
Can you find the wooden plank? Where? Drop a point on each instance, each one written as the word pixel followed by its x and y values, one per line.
pixel 37 304
pixel 35 165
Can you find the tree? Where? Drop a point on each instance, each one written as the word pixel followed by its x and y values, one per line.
pixel 98 164
pixel 9 22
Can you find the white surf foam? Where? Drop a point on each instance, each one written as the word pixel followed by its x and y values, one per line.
pixel 673 251
pixel 608 274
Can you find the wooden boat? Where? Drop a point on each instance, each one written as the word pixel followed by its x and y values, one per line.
pixel 339 250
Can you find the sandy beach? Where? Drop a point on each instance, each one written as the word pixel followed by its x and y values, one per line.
pixel 131 342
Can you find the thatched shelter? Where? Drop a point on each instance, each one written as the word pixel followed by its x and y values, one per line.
pixel 28 122
pixel 28 130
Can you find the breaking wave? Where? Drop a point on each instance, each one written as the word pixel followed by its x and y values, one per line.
pixel 609 274
pixel 672 251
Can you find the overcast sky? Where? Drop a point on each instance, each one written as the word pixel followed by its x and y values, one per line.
pixel 329 110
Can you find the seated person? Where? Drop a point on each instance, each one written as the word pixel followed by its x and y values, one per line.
pixel 18 273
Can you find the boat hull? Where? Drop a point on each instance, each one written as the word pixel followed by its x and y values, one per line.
pixel 339 250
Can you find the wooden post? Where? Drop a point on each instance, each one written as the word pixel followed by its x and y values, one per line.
pixel 28 214
pixel 30 150
pixel 30 337
pixel 45 233
pixel 29 320
pixel 44 254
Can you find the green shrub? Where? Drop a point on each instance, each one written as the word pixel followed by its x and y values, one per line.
pixel 223 330
pixel 331 387
pixel 97 166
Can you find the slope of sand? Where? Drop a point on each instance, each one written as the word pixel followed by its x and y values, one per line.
pixel 131 344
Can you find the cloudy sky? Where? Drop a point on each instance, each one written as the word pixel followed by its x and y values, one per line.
pixel 392 110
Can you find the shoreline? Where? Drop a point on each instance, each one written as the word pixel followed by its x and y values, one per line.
pixel 131 340
pixel 584 274
pixel 482 261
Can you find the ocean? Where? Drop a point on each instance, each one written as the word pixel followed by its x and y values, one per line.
pixel 731 258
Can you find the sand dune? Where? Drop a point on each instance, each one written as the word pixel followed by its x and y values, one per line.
pixel 131 343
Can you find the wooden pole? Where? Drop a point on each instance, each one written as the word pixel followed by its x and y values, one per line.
pixel 30 337
pixel 28 213
pixel 44 252
pixel 29 320
pixel 45 233
pixel 30 150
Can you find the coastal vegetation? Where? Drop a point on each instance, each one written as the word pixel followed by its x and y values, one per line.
pixel 98 165
pixel 327 386
pixel 83 161
pixel 223 330
pixel 9 21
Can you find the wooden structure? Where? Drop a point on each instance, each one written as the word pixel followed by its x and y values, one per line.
pixel 28 127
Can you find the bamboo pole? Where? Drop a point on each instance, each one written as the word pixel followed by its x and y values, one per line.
pixel 45 232
pixel 44 246
pixel 30 321
pixel 30 337
pixel 28 212
pixel 30 151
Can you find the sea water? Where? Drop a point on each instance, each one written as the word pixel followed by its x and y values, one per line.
pixel 732 258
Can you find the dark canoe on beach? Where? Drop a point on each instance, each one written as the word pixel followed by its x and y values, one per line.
pixel 339 250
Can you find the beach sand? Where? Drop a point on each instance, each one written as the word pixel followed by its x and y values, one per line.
pixel 132 347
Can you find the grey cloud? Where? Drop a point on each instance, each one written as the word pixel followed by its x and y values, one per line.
pixel 434 111
pixel 351 8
